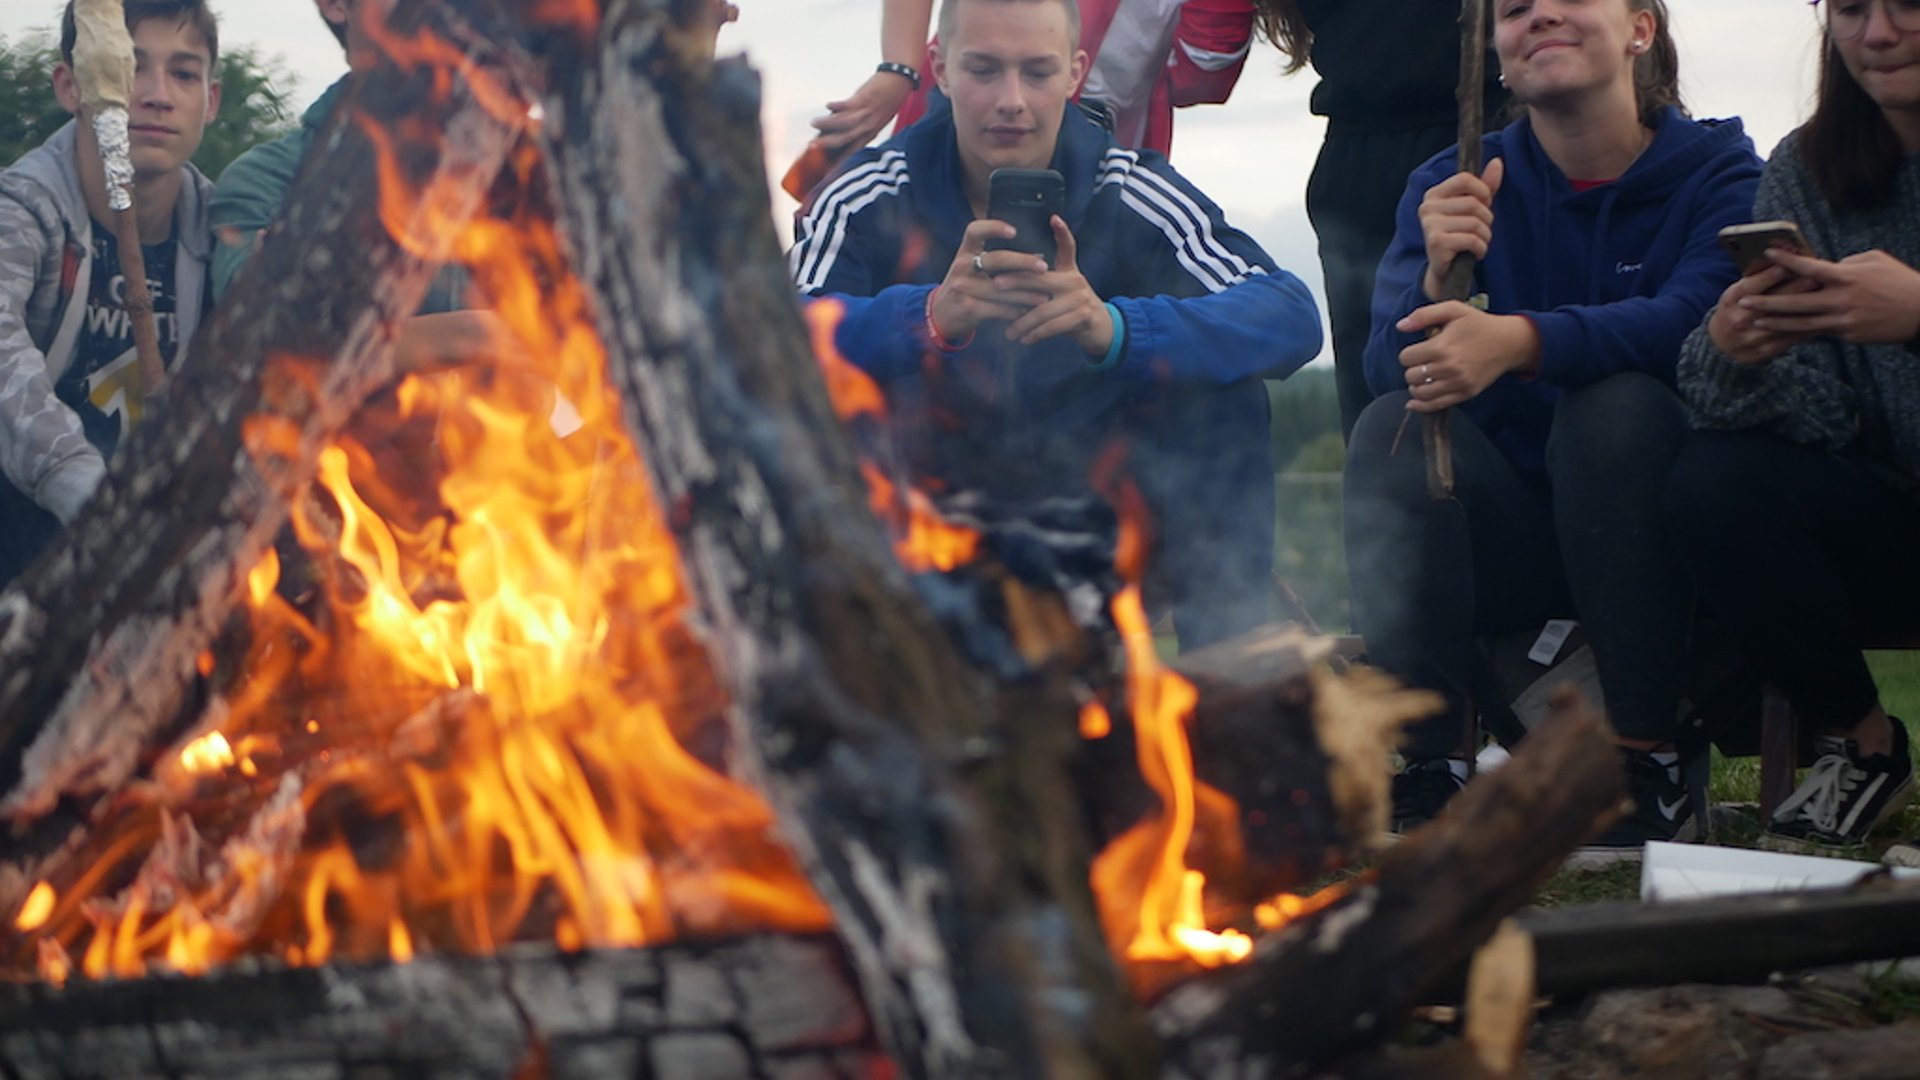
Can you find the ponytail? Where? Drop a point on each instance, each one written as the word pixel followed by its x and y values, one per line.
pixel 1281 22
pixel 1656 72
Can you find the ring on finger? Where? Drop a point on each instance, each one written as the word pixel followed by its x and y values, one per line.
pixel 978 266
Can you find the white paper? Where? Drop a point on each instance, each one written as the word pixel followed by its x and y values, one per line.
pixel 1692 871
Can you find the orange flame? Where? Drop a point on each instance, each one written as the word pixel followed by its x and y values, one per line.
pixel 1151 899
pixel 923 540
pixel 498 722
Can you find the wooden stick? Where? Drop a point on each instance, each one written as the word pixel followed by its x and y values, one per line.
pixel 138 301
pixel 1436 434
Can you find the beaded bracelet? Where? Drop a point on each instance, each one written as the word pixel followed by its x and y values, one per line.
pixel 902 70
pixel 934 337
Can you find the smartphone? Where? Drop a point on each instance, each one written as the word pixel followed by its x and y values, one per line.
pixel 1026 199
pixel 1748 243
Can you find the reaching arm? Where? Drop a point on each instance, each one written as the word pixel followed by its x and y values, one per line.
pixel 1210 47
pixel 856 119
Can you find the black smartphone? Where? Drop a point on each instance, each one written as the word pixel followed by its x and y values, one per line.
pixel 1747 244
pixel 1026 199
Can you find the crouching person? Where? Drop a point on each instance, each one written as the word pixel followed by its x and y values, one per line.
pixel 1797 504
pixel 1154 323
pixel 1595 225
pixel 69 379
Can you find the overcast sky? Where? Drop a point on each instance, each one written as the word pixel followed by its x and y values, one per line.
pixel 1747 58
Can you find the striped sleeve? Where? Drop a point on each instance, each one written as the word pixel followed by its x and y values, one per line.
pixel 820 237
pixel 1214 253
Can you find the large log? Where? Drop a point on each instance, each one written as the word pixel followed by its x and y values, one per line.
pixel 1726 940
pixel 1345 976
pixel 939 831
pixel 101 640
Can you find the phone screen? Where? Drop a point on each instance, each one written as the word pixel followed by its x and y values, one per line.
pixel 1026 199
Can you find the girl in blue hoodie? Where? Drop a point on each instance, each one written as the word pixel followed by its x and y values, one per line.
pixel 1594 229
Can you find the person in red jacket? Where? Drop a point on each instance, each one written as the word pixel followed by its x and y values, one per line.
pixel 1149 57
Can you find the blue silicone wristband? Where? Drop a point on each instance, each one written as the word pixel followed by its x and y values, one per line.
pixel 1119 341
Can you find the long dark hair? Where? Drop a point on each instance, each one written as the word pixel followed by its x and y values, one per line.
pixel 1280 22
pixel 1848 145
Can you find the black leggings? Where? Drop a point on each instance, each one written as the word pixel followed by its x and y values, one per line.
pixel 1805 555
pixel 1429 577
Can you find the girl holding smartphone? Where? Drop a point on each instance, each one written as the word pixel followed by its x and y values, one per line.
pixel 1797 504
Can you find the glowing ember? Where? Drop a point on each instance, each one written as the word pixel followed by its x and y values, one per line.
pixel 209 753
pixel 1095 722
pixel 33 914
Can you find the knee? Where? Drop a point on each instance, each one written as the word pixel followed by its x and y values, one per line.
pixel 1715 494
pixel 1377 430
pixel 1627 421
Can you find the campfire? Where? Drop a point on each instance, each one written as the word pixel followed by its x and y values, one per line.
pixel 631 641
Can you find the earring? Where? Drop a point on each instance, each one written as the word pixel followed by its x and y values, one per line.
pixel 1638 45
pixel 1503 78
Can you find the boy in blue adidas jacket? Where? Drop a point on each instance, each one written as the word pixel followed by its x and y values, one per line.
pixel 1155 324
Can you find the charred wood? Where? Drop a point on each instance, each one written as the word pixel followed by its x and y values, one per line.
pixel 102 640
pixel 1729 940
pixel 896 780
pixel 1348 974
pixel 758 1007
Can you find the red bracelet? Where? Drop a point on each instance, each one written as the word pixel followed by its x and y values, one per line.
pixel 934 336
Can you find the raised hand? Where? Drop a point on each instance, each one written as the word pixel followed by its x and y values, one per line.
pixel 1456 218
pixel 1071 305
pixel 853 121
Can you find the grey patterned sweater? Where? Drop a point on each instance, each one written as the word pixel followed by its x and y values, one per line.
pixel 1860 400
pixel 46 267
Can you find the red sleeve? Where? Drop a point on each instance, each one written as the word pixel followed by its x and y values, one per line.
pixel 1209 48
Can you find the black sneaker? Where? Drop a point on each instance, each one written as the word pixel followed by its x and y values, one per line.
pixel 1421 789
pixel 1844 797
pixel 1665 807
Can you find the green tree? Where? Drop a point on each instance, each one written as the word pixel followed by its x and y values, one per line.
pixel 254 101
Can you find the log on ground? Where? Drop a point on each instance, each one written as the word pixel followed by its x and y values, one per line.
pixel 1345 976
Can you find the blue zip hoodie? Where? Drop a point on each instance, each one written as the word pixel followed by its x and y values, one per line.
pixel 1207 316
pixel 1204 306
pixel 1614 278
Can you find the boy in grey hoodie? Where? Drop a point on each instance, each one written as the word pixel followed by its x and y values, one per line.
pixel 69 384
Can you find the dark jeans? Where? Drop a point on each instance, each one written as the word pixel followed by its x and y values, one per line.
pixel 1356 185
pixel 1805 555
pixel 1429 576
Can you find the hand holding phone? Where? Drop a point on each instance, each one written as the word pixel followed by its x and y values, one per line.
pixel 1748 244
pixel 1026 199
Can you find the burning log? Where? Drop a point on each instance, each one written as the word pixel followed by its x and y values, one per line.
pixel 1337 979
pixel 103 640
pixel 896 782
